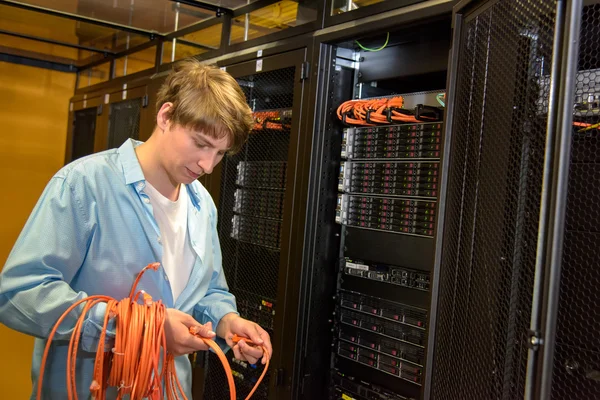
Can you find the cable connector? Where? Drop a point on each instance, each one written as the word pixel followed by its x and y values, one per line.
pixel 236 339
pixel 154 266
pixel 147 299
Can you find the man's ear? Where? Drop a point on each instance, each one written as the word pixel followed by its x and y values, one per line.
pixel 163 116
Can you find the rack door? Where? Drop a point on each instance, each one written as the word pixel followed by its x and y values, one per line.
pixel 254 191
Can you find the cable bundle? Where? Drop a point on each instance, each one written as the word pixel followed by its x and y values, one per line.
pixel 132 365
pixel 273 120
pixel 384 111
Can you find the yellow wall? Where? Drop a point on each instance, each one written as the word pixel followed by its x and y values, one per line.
pixel 34 105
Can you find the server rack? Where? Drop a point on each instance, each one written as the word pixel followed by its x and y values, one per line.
pixel 258 194
pixel 371 252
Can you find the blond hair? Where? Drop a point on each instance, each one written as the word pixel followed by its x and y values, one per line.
pixel 208 100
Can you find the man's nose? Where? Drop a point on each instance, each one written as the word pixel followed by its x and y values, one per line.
pixel 208 162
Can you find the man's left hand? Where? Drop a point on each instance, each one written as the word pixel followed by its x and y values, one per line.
pixel 233 324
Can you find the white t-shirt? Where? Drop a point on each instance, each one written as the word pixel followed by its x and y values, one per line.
pixel 178 255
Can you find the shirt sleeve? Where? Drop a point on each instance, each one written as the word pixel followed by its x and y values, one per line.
pixel 218 301
pixel 34 283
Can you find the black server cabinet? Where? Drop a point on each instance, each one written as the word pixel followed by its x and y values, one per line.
pixel 492 207
pixel 130 116
pixel 517 299
pixel 106 118
pixel 377 187
pixel 256 192
pixel 575 356
pixel 124 122
pixel 84 129
pixel 84 116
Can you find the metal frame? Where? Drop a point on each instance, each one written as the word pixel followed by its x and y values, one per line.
pixel 56 42
pixel 441 212
pixel 562 149
pixel 331 20
pixel 33 59
pixel 206 6
pixel 535 324
pixel 386 20
pixel 322 237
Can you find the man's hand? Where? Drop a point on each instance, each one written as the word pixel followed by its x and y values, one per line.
pixel 233 324
pixel 177 331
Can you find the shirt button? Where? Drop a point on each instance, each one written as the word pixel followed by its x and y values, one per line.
pixel 159 241
pixel 146 200
pixel 166 278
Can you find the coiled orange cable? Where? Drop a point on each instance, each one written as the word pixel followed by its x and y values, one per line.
pixel 132 365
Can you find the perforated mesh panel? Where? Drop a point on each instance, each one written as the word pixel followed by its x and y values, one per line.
pixel 124 122
pixel 577 352
pixel 84 128
pixel 494 185
pixel 253 187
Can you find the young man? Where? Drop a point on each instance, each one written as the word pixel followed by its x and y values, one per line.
pixel 104 217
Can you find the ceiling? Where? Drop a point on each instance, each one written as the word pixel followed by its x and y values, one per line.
pixel 151 15
pixel 77 35
pixel 75 32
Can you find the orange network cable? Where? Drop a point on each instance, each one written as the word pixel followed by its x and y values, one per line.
pixel 373 112
pixel 133 364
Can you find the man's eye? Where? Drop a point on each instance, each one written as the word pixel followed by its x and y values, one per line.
pixel 200 145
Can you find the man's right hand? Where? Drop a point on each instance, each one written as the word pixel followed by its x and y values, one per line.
pixel 177 331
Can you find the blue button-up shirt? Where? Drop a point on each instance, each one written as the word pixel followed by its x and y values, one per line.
pixel 90 233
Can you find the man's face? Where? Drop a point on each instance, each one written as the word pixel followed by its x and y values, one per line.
pixel 188 154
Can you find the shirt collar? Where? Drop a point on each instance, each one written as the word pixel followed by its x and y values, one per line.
pixel 132 170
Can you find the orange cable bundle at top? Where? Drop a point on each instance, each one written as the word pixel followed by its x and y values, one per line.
pixel 373 112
